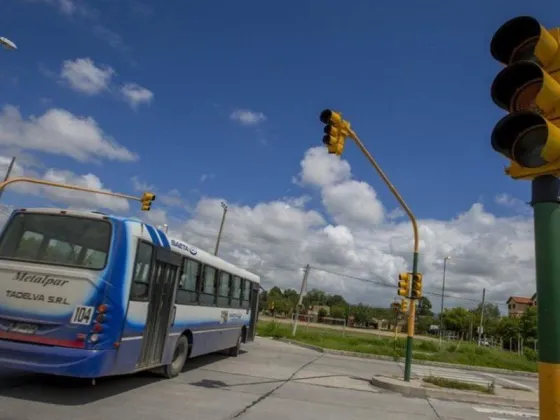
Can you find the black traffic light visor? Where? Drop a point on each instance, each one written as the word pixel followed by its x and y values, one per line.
pixel 516 40
pixel 511 86
pixel 325 116
pixel 521 137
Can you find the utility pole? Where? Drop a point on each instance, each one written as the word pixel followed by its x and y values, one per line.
pixel 481 317
pixel 224 206
pixel 442 295
pixel 306 271
pixel 8 172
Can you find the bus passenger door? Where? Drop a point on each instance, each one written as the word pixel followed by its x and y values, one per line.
pixel 254 299
pixel 160 307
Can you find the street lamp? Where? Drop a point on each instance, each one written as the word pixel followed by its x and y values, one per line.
pixel 7 44
pixel 442 296
pixel 224 206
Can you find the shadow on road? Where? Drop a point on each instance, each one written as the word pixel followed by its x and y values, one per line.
pixel 75 391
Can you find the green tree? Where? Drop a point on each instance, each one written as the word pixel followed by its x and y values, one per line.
pixel 457 320
pixel 424 307
pixel 508 328
pixel 528 324
pixel 338 311
pixel 423 324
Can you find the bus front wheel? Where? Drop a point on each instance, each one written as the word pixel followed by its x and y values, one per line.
pixel 179 358
pixel 234 351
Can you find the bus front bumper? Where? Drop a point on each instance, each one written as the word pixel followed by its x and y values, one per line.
pixel 53 360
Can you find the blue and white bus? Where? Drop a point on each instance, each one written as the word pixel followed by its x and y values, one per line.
pixel 88 295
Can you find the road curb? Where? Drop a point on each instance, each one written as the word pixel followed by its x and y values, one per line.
pixel 416 361
pixel 449 395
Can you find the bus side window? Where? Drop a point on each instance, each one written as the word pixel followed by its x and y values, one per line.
pixel 223 289
pixel 187 292
pixel 236 292
pixel 141 280
pixel 208 292
pixel 246 294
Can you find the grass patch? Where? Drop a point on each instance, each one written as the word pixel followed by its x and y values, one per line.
pixel 462 354
pixel 453 384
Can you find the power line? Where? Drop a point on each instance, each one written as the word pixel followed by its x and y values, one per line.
pixel 227 236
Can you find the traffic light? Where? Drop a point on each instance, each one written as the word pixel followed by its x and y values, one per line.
pixel 336 131
pixel 395 307
pixel 147 199
pixel 403 285
pixel 529 89
pixel 416 292
pixel 404 306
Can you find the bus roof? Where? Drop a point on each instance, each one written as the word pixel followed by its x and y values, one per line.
pixel 159 238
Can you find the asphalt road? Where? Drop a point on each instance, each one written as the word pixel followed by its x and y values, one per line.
pixel 270 380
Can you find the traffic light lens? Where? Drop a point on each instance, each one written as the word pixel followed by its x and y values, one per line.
pixel 513 86
pixel 524 98
pixel 528 146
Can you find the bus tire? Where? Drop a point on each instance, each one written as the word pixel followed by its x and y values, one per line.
pixel 234 351
pixel 180 354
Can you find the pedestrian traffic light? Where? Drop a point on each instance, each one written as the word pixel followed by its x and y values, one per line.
pixel 147 199
pixel 403 285
pixel 529 89
pixel 336 131
pixel 416 291
pixel 395 306
pixel 404 306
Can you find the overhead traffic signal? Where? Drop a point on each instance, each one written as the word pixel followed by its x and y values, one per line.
pixel 529 89
pixel 336 131
pixel 147 200
pixel 404 284
pixel 404 306
pixel 416 290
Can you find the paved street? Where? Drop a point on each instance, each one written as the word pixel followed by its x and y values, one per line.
pixel 272 380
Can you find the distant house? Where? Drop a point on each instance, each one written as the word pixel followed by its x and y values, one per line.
pixel 518 304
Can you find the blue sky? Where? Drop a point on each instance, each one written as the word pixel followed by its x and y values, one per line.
pixel 413 78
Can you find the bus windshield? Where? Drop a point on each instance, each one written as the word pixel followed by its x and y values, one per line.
pixel 57 239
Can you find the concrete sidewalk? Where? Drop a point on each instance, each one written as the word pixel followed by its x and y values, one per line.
pixel 417 388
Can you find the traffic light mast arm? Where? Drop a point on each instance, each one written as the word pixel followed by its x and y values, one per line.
pixel 391 187
pixel 4 184
pixel 411 311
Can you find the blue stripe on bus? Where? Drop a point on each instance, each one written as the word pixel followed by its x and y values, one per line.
pixel 153 235
pixel 163 238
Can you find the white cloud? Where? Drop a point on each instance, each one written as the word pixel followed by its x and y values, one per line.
pixel 68 7
pixel 136 95
pixel 60 132
pixel 276 239
pixel 83 75
pixel 247 117
pixel 72 198
pixel 319 168
pixel 513 203
pixel 206 177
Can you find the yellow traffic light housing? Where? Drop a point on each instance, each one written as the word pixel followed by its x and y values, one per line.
pixel 416 291
pixel 403 284
pixel 404 306
pixel 336 131
pixel 528 88
pixel 147 200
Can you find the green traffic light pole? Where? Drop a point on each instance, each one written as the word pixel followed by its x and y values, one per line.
pixel 411 310
pixel 546 206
